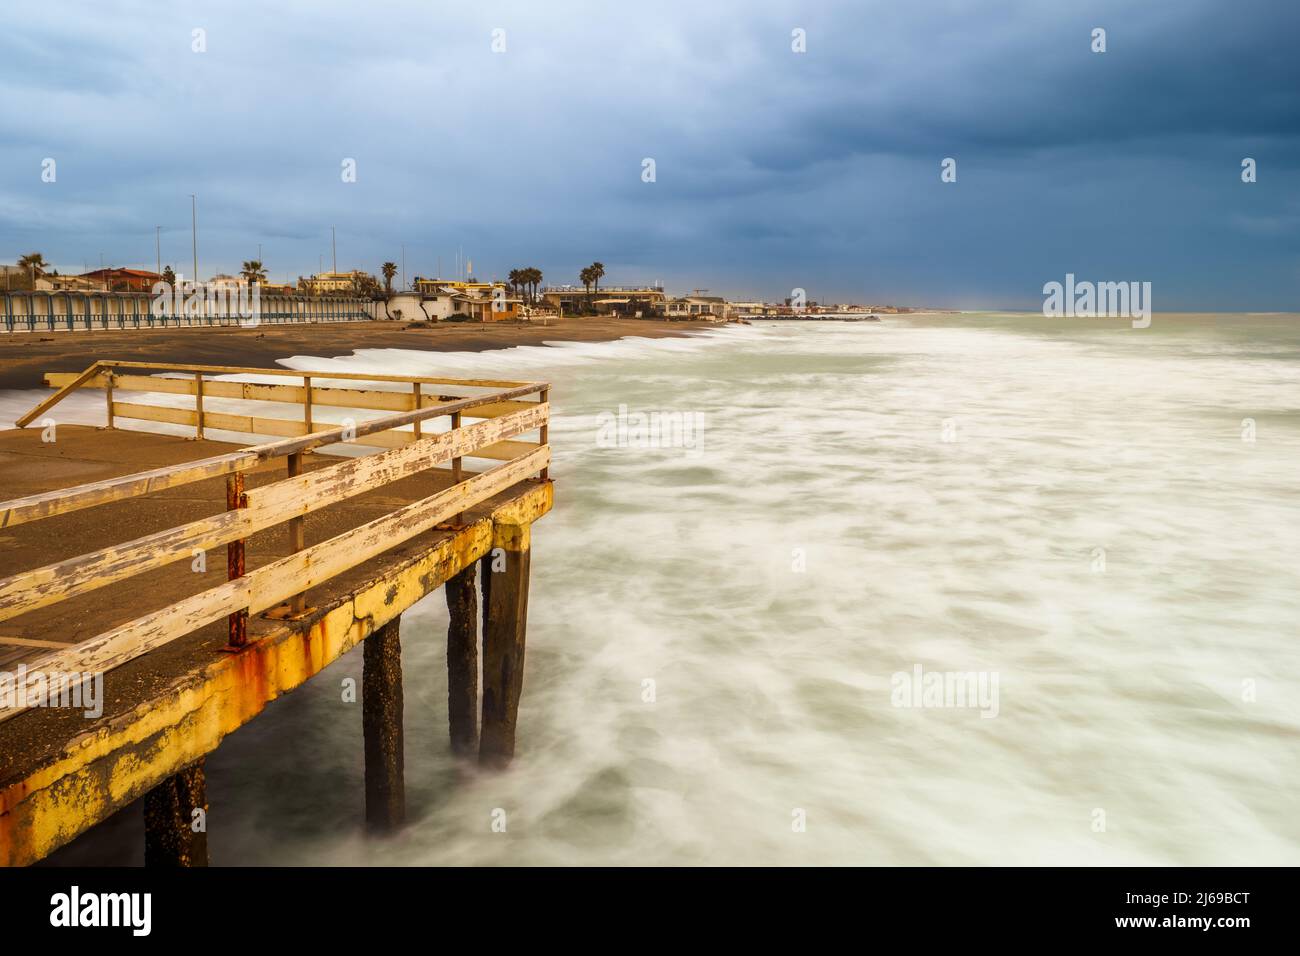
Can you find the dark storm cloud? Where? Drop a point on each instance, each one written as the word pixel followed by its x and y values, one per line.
pixel 774 169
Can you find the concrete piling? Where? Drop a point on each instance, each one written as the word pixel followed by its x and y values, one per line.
pixel 381 718
pixel 505 623
pixel 174 834
pixel 462 662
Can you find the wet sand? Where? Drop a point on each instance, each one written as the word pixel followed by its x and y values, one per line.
pixel 26 356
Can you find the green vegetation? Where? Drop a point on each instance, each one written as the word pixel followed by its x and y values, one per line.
pixel 34 263
pixel 525 282
pixel 366 286
pixel 35 266
pixel 590 278
pixel 253 272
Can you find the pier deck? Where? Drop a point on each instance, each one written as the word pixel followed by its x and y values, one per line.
pixel 170 700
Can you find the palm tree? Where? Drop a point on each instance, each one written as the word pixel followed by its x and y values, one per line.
pixel 253 272
pixel 597 273
pixel 585 278
pixel 389 269
pixel 535 277
pixel 525 279
pixel 33 262
pixel 515 279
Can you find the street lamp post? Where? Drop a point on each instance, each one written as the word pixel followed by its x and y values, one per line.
pixel 194 233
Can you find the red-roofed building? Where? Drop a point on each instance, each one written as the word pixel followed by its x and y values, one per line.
pixel 123 280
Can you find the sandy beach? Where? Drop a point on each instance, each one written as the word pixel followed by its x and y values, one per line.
pixel 26 356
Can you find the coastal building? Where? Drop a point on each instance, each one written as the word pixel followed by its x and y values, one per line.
pixel 443 298
pixel 230 283
pixel 699 306
pixel 122 280
pixel 489 308
pixel 609 300
pixel 437 285
pixel 331 282
pixel 58 283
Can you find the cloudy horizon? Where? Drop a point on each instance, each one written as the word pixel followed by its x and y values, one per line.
pixel 773 169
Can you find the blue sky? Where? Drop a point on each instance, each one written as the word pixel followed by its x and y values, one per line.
pixel 774 169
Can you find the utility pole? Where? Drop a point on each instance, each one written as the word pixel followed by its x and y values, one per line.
pixel 403 267
pixel 194 233
pixel 157 238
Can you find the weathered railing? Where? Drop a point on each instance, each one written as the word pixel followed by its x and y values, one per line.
pixel 68 311
pixel 500 415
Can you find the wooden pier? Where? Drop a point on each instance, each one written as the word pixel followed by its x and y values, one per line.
pixel 195 580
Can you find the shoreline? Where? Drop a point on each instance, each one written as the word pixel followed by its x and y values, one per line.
pixel 26 356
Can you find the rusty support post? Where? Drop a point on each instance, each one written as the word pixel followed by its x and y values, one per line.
pixel 545 434
pixel 198 404
pixel 297 535
pixel 174 833
pixel 235 498
pixel 462 662
pixel 381 719
pixel 505 623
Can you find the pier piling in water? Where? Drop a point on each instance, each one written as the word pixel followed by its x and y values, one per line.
pixel 174 835
pixel 505 622
pixel 462 662
pixel 381 718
